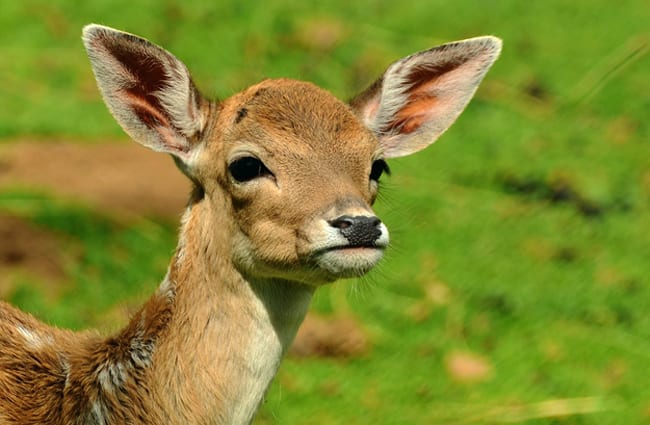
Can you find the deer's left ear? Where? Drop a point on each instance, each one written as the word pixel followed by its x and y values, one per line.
pixel 420 96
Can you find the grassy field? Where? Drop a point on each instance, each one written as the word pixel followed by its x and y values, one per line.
pixel 517 289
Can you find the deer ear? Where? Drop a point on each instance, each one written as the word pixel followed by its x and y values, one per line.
pixel 420 96
pixel 149 92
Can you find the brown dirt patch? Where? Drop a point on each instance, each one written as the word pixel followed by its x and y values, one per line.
pixel 340 337
pixel 26 249
pixel 465 367
pixel 121 180
pixel 118 178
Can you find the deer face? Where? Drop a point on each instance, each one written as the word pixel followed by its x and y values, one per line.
pixel 299 172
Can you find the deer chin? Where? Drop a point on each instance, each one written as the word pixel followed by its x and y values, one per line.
pixel 349 261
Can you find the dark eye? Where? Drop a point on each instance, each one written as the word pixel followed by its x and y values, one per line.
pixel 379 167
pixel 248 168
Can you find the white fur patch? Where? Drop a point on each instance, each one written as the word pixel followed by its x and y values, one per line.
pixel 97 415
pixel 270 337
pixel 182 239
pixel 112 376
pixel 33 339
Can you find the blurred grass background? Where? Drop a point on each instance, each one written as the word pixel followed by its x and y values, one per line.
pixel 517 289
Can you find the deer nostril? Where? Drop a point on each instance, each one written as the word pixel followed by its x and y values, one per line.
pixel 342 222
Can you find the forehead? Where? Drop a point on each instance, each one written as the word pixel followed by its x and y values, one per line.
pixel 298 117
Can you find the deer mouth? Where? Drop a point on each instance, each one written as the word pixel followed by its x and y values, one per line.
pixel 353 249
pixel 351 260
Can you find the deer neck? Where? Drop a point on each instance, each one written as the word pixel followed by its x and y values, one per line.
pixel 226 334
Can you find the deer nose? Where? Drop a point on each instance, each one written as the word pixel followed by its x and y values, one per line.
pixel 360 230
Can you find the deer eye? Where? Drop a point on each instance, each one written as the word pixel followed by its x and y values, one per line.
pixel 248 168
pixel 379 167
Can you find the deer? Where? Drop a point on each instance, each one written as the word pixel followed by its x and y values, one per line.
pixel 284 177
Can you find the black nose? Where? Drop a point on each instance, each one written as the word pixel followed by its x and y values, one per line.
pixel 360 230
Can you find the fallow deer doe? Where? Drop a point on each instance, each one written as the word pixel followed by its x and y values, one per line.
pixel 284 176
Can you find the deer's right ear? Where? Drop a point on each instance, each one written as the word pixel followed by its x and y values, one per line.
pixel 149 92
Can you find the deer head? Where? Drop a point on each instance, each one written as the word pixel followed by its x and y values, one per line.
pixel 285 174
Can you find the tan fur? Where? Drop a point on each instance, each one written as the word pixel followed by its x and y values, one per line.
pixel 205 347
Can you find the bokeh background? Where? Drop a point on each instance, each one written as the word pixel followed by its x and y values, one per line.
pixel 517 289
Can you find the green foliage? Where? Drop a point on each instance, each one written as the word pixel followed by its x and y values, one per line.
pixel 522 236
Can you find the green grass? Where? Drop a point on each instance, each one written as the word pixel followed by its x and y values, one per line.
pixel 532 213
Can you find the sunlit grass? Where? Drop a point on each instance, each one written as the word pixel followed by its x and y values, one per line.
pixel 521 237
